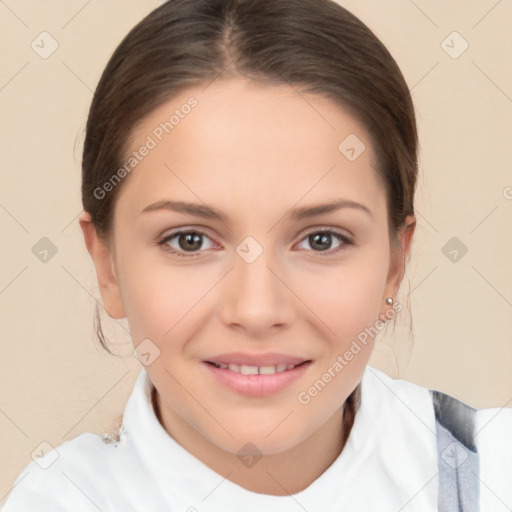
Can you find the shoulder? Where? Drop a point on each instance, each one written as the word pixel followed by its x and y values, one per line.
pixel 382 388
pixel 494 423
pixel 77 475
pixel 473 446
pixel 493 439
pixel 487 431
pixel 49 482
pixel 91 472
pixel 475 453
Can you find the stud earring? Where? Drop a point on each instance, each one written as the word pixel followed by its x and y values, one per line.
pixel 389 300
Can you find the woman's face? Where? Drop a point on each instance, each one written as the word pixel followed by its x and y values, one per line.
pixel 268 276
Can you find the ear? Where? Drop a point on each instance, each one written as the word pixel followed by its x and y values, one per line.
pixel 105 268
pixel 399 254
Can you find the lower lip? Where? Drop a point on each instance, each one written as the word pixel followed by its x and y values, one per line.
pixel 257 385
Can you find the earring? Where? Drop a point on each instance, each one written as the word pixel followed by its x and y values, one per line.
pixel 389 300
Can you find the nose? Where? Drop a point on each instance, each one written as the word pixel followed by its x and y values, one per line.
pixel 255 298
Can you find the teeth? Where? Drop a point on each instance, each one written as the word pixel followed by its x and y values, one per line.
pixel 249 370
pixel 255 370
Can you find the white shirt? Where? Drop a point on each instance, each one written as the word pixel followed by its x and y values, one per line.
pixel 388 464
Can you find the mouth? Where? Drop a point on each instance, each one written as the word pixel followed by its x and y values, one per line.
pixel 256 375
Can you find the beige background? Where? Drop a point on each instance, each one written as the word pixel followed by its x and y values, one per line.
pixel 55 380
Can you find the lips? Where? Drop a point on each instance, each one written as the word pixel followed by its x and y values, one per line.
pixel 256 375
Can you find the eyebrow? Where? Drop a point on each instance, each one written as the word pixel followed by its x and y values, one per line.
pixel 206 212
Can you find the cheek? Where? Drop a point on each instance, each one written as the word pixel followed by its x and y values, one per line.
pixel 159 298
pixel 347 298
pixel 347 306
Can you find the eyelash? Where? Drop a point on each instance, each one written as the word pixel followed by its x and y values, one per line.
pixel 343 238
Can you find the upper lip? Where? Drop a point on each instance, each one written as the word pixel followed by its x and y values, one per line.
pixel 268 359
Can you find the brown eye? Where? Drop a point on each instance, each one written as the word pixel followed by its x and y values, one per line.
pixel 190 241
pixel 322 241
pixel 182 242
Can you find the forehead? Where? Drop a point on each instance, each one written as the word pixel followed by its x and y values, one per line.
pixel 223 108
pixel 262 143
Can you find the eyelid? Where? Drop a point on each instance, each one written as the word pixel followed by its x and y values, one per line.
pixel 186 229
pixel 327 229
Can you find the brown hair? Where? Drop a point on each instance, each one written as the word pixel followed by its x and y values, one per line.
pixel 315 45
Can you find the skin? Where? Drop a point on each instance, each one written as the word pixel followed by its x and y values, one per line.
pixel 254 153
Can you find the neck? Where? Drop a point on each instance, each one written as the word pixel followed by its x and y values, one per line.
pixel 278 474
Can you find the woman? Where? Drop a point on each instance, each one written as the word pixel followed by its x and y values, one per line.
pixel 248 187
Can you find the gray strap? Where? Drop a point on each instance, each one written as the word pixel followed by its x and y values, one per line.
pixel 458 462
